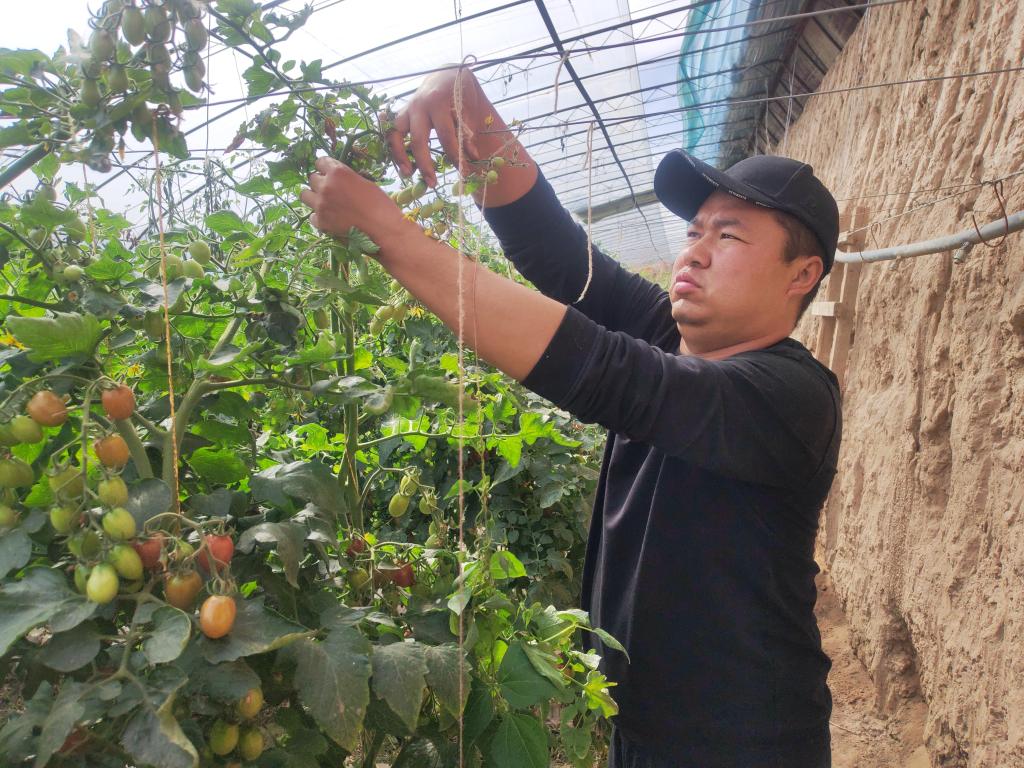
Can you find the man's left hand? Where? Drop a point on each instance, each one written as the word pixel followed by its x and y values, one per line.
pixel 342 199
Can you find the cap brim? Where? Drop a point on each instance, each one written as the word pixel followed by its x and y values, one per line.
pixel 682 184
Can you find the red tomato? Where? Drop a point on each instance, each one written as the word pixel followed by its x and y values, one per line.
pixel 181 589
pixel 220 547
pixel 119 402
pixel 403 576
pixel 217 617
pixel 47 408
pixel 149 550
pixel 112 451
pixel 357 545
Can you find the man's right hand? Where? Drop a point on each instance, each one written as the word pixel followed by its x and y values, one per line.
pixel 440 104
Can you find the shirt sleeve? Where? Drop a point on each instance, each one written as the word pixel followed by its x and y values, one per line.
pixel 549 249
pixel 762 417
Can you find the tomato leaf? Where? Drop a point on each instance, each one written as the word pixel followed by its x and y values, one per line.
pixel 148 498
pixel 289 537
pixel 227 682
pixel 153 736
pixel 66 334
pixel 169 637
pixel 218 466
pixel 332 678
pixel 40 596
pixel 479 712
pixel 67 710
pixel 520 741
pixel 505 565
pixel 399 678
pixel 71 650
pixel 521 685
pixel 444 665
pixel 15 550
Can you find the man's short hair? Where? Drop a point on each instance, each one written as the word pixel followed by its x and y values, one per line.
pixel 800 241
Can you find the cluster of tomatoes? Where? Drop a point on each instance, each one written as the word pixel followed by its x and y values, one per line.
pixel 111 557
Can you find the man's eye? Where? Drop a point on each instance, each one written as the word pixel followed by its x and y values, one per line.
pixel 726 234
pixel 693 234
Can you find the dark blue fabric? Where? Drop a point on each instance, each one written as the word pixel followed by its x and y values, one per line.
pixel 701 552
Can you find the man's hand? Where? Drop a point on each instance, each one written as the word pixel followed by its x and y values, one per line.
pixel 444 101
pixel 342 199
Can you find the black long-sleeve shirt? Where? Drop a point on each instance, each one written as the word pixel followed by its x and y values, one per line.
pixel 700 558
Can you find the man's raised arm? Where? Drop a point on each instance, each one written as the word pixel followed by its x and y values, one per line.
pixel 536 233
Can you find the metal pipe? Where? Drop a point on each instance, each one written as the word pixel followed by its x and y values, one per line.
pixel 1001 226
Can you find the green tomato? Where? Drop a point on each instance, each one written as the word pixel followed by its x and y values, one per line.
pixel 85 545
pixel 101 586
pixel 410 484
pixel 7 435
pixel 223 737
pixel 63 519
pixel 126 562
pixel 153 325
pixel 119 524
pixel 68 483
pixel 133 25
pixel 250 744
pixel 26 430
pixel 358 578
pixel 200 251
pixel 82 577
pixel 76 229
pixel 193 269
pixel 398 505
pixel 8 516
pixel 73 273
pixel 175 267
pixel 117 79
pixel 112 492
pixel 15 473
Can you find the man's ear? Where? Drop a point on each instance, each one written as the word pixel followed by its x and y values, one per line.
pixel 807 272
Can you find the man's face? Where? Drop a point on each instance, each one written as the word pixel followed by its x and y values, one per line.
pixel 730 282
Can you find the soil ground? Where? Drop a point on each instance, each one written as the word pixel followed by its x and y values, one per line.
pixel 862 737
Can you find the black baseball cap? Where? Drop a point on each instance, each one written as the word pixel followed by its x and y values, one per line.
pixel 682 184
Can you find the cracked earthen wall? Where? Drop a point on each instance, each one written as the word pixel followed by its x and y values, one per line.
pixel 924 529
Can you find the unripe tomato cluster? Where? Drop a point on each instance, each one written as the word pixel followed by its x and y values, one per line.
pixel 133 45
pixel 232 734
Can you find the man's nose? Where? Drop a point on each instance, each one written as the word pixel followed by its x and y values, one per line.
pixel 696 253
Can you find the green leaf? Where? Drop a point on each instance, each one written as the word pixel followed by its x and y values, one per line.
pixel 18 735
pixel 148 498
pixel 218 466
pixel 19 133
pixel 153 736
pixel 418 753
pixel 39 597
pixel 310 481
pixel 479 712
pixel 360 241
pixel 229 681
pixel 40 212
pixel 505 565
pixel 67 710
pixel 107 269
pixel 15 550
pixel 225 223
pixel 521 685
pixel 71 650
pixel 227 357
pixel 545 664
pixel 520 741
pixel 332 679
pixel 399 678
pixel 66 334
pixel 20 61
pixel 609 641
pixel 445 667
pixel 290 539
pixel 170 634
pixel 256 630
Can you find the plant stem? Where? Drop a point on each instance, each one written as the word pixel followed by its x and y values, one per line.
pixel 135 447
pixel 23 163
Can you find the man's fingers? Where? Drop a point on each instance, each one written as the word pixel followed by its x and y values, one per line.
pixel 309 197
pixel 325 163
pixel 316 180
pixel 419 130
pixel 396 142
pixel 314 221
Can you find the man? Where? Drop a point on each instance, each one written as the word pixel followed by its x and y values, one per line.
pixel 723 432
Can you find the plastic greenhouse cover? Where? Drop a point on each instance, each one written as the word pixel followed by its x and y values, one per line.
pixel 636 74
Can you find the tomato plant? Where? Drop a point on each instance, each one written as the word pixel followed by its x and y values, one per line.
pixel 311 468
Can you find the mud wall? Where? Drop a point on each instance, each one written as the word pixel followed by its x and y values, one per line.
pixel 925 523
